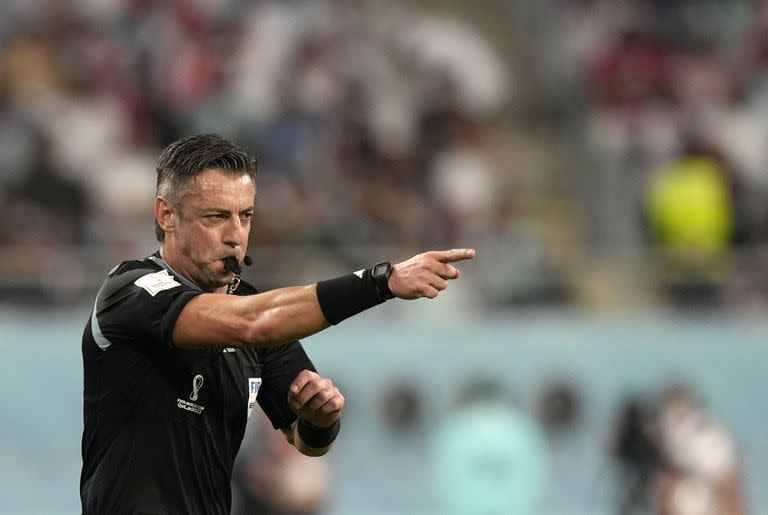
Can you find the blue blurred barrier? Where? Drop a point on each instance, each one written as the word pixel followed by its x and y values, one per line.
pixel 377 471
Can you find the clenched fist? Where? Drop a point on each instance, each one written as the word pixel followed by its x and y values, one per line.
pixel 315 399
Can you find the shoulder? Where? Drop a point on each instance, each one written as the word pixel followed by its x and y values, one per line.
pixel 129 271
pixel 137 291
pixel 137 275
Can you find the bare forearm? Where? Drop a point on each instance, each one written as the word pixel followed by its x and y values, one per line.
pixel 269 318
pixel 283 315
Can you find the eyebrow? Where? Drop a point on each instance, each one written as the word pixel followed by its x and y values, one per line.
pixel 221 210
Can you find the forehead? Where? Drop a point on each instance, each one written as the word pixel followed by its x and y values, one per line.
pixel 215 188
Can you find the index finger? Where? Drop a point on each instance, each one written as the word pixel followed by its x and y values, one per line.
pixel 453 255
pixel 301 381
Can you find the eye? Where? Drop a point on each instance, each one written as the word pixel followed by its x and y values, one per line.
pixel 247 216
pixel 217 216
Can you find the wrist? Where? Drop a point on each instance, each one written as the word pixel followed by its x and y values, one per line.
pixel 317 436
pixel 381 273
pixel 351 294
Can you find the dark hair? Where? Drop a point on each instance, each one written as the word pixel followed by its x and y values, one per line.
pixel 184 159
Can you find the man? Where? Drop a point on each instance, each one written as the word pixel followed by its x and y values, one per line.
pixel 178 350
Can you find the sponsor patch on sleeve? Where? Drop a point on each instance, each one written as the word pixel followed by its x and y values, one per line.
pixel 156 282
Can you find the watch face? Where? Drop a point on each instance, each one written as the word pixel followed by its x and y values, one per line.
pixel 380 273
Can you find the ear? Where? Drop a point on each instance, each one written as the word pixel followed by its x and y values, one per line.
pixel 164 214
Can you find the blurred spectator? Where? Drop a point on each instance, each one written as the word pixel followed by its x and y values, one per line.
pixel 693 215
pixel 630 127
pixel 559 408
pixel 699 80
pixel 401 409
pixel 43 207
pixel 30 60
pixel 467 181
pixel 18 136
pixel 437 41
pixel 582 30
pixel 701 473
pixel 757 58
pixel 271 478
pixel 691 207
pixel 633 72
pixel 637 457
pixel 712 98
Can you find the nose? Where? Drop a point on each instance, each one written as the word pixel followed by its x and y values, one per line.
pixel 236 232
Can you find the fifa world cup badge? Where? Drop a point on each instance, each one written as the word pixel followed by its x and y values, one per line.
pixel 254 383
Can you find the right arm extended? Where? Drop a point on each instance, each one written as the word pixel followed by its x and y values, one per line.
pixel 292 313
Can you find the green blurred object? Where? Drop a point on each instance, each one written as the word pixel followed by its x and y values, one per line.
pixel 488 458
pixel 690 208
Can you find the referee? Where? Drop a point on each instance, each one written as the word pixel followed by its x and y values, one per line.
pixel 178 350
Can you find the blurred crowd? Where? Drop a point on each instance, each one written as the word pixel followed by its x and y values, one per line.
pixel 673 111
pixel 373 123
pixel 400 123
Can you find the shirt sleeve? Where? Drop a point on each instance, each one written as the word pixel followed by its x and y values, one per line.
pixel 140 307
pixel 281 366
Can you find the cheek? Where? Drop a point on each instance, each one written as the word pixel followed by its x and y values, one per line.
pixel 200 242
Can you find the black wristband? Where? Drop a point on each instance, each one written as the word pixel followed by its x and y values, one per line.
pixel 347 295
pixel 318 437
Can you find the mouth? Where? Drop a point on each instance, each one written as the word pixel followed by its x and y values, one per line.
pixel 231 264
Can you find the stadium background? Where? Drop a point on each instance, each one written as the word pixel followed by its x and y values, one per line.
pixel 607 159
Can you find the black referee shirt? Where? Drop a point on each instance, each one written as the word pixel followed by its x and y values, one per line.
pixel 163 425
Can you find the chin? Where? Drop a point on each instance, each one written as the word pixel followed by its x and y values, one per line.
pixel 217 272
pixel 221 278
pixel 216 279
pixel 214 285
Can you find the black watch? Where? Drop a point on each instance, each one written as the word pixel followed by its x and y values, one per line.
pixel 380 273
